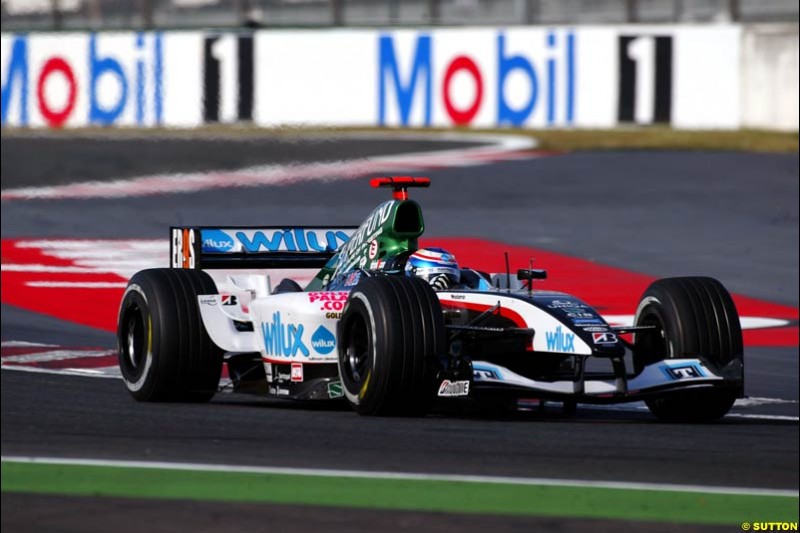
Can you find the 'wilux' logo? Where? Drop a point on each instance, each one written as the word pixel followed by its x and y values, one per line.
pixel 292 240
pixel 558 341
pixel 283 339
pixel 323 340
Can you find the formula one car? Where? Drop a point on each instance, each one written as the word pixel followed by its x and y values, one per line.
pixel 366 330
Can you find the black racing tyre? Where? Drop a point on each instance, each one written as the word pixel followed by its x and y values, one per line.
pixel 693 316
pixel 390 335
pixel 165 353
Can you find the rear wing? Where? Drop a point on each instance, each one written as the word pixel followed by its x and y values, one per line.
pixel 255 247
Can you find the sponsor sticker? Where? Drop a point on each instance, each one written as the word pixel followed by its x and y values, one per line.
pixel 683 371
pixel 589 321
pixel 574 315
pixel 560 341
pixel 323 341
pixel 297 372
pixel 217 241
pixel 373 249
pixel 604 338
pixel 352 279
pixel 335 389
pixel 229 299
pixel 208 300
pixel 591 329
pixel 454 388
pixel 283 339
pixel 329 300
pixel 564 304
pixel 327 296
pixel 482 374
pixel 351 251
pixel 183 248
pixel 290 240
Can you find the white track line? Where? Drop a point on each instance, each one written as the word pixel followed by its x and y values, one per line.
pixel 78 284
pixel 52 269
pixel 640 407
pixel 757 400
pixel 497 147
pixel 103 247
pixel 111 372
pixel 410 476
pixel 55 355
pixel 24 344
pixel 763 417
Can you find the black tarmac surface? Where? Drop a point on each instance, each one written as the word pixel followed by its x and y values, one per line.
pixel 30 160
pixel 728 215
pixel 46 415
pixel 27 512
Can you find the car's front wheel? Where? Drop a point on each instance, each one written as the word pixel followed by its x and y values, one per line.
pixel 690 316
pixel 390 335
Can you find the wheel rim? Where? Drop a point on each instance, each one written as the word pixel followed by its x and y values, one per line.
pixel 133 340
pixel 357 352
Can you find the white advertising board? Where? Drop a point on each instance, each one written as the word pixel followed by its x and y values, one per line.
pixel 589 77
pixel 770 66
pixel 521 77
pixel 81 79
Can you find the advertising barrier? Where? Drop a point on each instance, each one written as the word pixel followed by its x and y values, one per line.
pixel 80 79
pixel 689 77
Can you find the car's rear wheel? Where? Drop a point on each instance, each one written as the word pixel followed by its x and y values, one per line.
pixel 390 334
pixel 690 316
pixel 165 353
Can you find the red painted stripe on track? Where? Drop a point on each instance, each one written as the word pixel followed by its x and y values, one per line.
pixel 613 291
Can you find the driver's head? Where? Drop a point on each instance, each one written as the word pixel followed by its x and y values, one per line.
pixel 436 266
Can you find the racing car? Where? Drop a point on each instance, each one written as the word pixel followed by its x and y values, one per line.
pixel 369 329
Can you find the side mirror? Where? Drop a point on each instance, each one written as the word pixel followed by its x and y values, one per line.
pixel 531 274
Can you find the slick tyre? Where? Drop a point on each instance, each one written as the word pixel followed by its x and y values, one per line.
pixel 390 335
pixel 165 353
pixel 692 316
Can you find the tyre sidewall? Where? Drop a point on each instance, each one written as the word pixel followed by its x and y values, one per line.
pixel 653 305
pixel 141 383
pixel 358 307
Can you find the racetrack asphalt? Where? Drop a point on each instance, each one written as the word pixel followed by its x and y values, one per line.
pixel 35 512
pixel 733 216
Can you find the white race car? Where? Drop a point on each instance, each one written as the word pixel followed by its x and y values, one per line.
pixel 388 342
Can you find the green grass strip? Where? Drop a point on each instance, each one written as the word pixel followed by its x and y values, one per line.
pixel 398 494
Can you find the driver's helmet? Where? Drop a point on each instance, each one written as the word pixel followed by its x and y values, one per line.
pixel 436 266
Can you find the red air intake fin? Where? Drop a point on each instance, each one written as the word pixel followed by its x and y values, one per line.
pixel 400 184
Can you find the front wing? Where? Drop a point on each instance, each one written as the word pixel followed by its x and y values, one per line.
pixel 657 379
